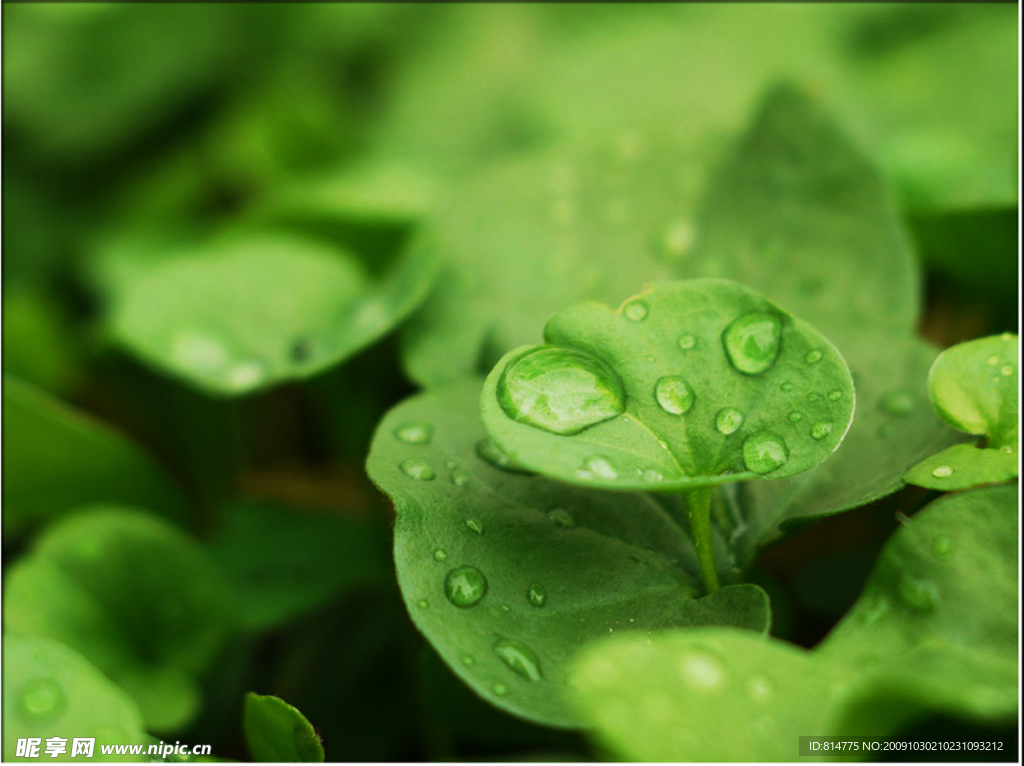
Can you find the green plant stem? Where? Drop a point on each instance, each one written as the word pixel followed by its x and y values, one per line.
pixel 698 503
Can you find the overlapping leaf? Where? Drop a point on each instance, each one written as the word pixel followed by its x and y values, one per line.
pixel 277 732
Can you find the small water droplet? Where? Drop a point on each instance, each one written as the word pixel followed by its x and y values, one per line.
pixel 474 525
pixel 506 608
pixel 786 387
pixel 993 360
pixel 835 395
pixel 764 452
pixel 676 240
pixel 519 658
pixel 42 699
pixel 465 586
pixel 468 660
pixel 246 375
pixel 942 472
pixel 920 594
pixel 943 545
pixel 415 432
pixel 598 466
pixel 728 420
pixel 560 390
pixel 1006 370
pixel 687 341
pixel 760 689
pixel 752 342
pixel 1006 449
pixel 812 397
pixel 536 595
pixel 423 604
pixel 898 403
pixel 796 416
pixel 821 429
pixel 460 478
pixel 500 689
pixel 440 555
pixel 674 394
pixel 813 356
pixel 562 518
pixel 417 469
pixel 636 310
pixel 491 454
pixel 701 672
pixel 996 379
pixel 652 475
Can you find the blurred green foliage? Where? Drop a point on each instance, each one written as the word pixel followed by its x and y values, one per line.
pixel 236 235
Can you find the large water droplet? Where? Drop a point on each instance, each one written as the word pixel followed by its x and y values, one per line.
pixel 753 341
pixel 636 310
pixel 415 432
pixel 562 518
pixel 674 394
pixel 491 454
pixel 687 341
pixel 821 429
pixel 676 240
pixel 560 390
pixel 598 466
pixel 701 672
pixel 417 469
pixel 465 586
pixel 475 526
pixel 42 699
pixel 898 403
pixel 536 595
pixel 942 472
pixel 519 658
pixel 920 594
pixel 728 420
pixel 764 452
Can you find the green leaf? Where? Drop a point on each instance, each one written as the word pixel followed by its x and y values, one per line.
pixel 255 309
pixel 949 573
pixel 974 387
pixel 893 428
pixel 59 458
pixel 135 596
pixel 283 562
pixel 712 694
pixel 51 690
pixel 800 214
pixel 507 573
pixel 276 732
pixel 688 384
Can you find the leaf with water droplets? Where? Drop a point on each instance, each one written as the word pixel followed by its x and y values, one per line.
pixel 253 309
pixel 709 694
pixel 60 458
pixel 50 690
pixel 974 387
pixel 153 632
pixel 625 407
pixel 533 568
pixel 276 732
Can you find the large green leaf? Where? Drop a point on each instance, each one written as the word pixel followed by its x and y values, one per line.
pixel 508 573
pixel 277 732
pixel 711 694
pixel 283 562
pixel 58 458
pixel 254 309
pixel 135 596
pixel 52 691
pixel 974 386
pixel 688 384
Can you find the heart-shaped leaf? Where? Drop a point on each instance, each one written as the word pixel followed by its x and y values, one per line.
pixel 58 458
pixel 687 385
pixel 254 309
pixel 52 691
pixel 135 596
pixel 974 387
pixel 508 573
pixel 277 732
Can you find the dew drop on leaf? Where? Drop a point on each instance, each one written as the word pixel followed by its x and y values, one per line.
pixel 468 660
pixel 993 360
pixel 460 478
pixel 519 658
pixel 728 420
pixel 598 466
pixel 440 555
pixel 897 403
pixel 536 595
pixel 701 672
pixel 475 525
pixel 752 342
pixel 687 341
pixel 812 397
pixel 764 452
pixel 465 586
pixel 42 698
pixel 943 545
pixel 942 472
pixel 415 432
pixel 418 469
pixel 636 311
pixel 821 429
pixel 786 387
pixel 674 394
pixel 813 356
pixel 500 689
pixel 652 475
pixel 423 604
pixel 676 240
pixel 760 689
pixel 1006 370
pixel 562 518
pixel 835 395
pixel 560 390
pixel 920 594
pixel 796 416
